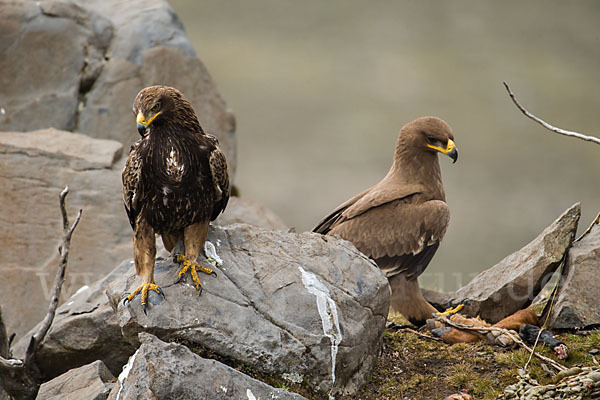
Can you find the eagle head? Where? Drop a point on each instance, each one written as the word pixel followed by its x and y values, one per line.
pixel 430 134
pixel 163 105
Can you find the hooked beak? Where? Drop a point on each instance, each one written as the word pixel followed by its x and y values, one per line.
pixel 450 150
pixel 142 124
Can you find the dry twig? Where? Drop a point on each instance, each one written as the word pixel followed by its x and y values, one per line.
pixel 21 378
pixel 396 327
pixel 547 125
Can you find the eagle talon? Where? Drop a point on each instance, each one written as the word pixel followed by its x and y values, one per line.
pixel 449 311
pixel 193 268
pixel 143 289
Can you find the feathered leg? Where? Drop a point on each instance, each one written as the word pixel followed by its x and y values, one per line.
pixel 408 300
pixel 144 255
pixel 194 237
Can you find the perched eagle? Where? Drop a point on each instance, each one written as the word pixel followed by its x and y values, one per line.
pixel 175 182
pixel 400 222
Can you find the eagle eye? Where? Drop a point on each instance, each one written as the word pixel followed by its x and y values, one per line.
pixel 156 106
pixel 431 140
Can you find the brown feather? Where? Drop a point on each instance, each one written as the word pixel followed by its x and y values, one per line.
pixel 176 175
pixel 400 221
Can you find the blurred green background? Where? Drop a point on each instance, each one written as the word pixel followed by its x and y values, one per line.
pixel 320 90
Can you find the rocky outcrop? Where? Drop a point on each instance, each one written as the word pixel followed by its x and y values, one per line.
pixel 302 307
pixel 516 280
pixel 77 66
pixel 160 370
pixel 282 304
pixel 35 167
pixel 91 382
pixel 577 300
pixel 85 329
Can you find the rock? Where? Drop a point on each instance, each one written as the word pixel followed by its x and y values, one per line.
pixel 300 304
pixel 85 329
pixel 439 300
pixel 577 304
pixel 160 370
pixel 514 282
pixel 243 210
pixel 35 167
pixel 92 381
pixel 97 54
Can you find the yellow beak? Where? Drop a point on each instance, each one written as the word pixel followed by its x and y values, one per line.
pixel 450 150
pixel 142 124
pixel 140 119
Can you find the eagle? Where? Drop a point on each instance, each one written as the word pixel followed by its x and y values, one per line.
pixel 175 182
pixel 400 222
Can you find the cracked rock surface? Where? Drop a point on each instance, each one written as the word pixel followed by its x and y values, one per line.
pixel 85 329
pixel 576 304
pixel 172 371
pixel 282 303
pixel 77 66
pixel 91 382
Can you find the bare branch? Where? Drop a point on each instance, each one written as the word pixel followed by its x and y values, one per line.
pixel 11 363
pixel 596 221
pixel 4 339
pixel 547 125
pixel 21 378
pixel 58 280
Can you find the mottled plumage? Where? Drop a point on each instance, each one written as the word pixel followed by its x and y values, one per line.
pixel 400 221
pixel 175 180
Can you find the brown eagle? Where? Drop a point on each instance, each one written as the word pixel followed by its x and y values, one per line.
pixel 400 222
pixel 175 182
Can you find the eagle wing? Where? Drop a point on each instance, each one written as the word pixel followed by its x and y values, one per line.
pixel 132 183
pixel 220 178
pixel 401 235
pixel 375 196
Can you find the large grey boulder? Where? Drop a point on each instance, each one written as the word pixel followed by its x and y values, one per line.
pixel 577 303
pixel 85 329
pixel 516 280
pixel 160 370
pixel 292 305
pixel 77 66
pixel 90 382
pixel 35 167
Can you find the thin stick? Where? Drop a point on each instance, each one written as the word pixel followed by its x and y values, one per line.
pixel 547 125
pixel 419 334
pixel 595 222
pixel 36 339
pixel 507 333
pixel 537 338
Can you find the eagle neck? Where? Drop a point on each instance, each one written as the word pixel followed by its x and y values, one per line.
pixel 414 166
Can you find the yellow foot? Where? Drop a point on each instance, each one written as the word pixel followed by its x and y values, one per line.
pixel 194 268
pixel 144 288
pixel 450 311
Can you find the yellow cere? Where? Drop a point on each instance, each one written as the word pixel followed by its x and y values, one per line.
pixel 448 148
pixel 140 119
